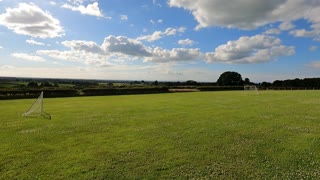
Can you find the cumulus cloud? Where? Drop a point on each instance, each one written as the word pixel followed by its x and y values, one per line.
pixel 160 34
pixel 255 49
pixel 186 42
pixel 33 42
pixel 29 19
pixel 305 33
pixel 118 49
pixel 286 26
pixel 124 17
pixel 273 31
pixel 85 46
pixel 124 45
pixel 249 14
pixel 176 54
pixel 91 9
pixel 27 57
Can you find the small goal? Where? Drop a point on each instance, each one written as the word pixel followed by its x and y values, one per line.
pixel 36 109
pixel 252 88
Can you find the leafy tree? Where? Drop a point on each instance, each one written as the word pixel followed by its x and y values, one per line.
pixel 156 83
pixel 230 78
pixel 45 84
pixel 32 84
pixel 246 81
pixel 191 82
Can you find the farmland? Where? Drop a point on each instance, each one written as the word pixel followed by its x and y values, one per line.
pixel 229 134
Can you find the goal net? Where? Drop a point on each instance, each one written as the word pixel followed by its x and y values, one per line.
pixel 36 109
pixel 251 88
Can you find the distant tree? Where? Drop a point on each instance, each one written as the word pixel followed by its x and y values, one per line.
pixel 266 84
pixel 230 78
pixel 32 84
pixel 246 81
pixel 55 85
pixel 45 84
pixel 191 82
pixel 156 83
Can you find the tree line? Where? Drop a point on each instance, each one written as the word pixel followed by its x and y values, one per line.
pixel 229 80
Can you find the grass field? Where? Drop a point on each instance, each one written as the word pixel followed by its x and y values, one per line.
pixel 207 135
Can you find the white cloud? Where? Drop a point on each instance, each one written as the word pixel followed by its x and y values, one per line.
pixel 249 14
pixel 85 46
pixel 186 42
pixel 1 47
pixel 53 3
pixel 91 9
pixel 156 3
pixel 33 42
pixel 305 33
pixel 160 34
pixel 313 48
pixel 273 31
pixel 4 67
pixel 27 57
pixel 176 54
pixel 124 45
pixel 314 64
pixel 255 49
pixel 286 26
pixel 124 17
pixel 154 22
pixel 29 19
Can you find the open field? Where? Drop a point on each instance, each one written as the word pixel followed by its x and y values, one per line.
pixel 234 134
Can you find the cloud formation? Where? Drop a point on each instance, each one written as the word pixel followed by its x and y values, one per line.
pixel 123 17
pixel 125 45
pixel 160 34
pixel 161 55
pixel 91 9
pixel 33 42
pixel 84 46
pixel 251 14
pixel 27 57
pixel 255 49
pixel 29 19
pixel 186 42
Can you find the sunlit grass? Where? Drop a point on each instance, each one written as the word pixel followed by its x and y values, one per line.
pixel 181 135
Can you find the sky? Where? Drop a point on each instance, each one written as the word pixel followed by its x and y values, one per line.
pixel 163 40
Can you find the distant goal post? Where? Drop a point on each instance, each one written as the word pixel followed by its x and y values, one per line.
pixel 36 109
pixel 250 88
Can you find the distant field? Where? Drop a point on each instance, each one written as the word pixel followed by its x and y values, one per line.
pixel 231 134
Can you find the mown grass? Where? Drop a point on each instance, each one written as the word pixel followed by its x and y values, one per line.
pixel 237 135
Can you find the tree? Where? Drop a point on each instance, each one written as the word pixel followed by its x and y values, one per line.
pixel 191 82
pixel 32 84
pixel 247 81
pixel 230 78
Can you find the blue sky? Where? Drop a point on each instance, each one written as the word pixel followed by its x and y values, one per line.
pixel 164 40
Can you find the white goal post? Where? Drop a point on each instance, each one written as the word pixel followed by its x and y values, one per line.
pixel 36 109
pixel 250 88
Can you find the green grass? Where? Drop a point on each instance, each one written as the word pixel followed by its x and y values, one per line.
pixel 207 135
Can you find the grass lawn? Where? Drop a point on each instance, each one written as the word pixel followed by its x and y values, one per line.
pixel 233 135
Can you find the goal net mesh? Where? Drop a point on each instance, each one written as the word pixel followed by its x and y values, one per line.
pixel 250 88
pixel 36 109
